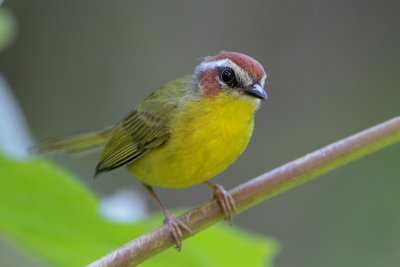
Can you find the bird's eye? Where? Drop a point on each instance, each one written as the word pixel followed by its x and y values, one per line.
pixel 227 76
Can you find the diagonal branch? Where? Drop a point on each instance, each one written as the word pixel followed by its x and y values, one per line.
pixel 259 189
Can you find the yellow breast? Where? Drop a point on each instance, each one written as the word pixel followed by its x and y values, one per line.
pixel 207 136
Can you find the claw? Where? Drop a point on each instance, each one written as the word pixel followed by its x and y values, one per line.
pixel 224 199
pixel 176 227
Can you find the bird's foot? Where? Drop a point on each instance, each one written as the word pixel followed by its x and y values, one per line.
pixel 225 200
pixel 176 228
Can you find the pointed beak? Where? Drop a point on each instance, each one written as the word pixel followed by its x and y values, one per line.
pixel 257 91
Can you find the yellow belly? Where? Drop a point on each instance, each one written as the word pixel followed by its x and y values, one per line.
pixel 207 136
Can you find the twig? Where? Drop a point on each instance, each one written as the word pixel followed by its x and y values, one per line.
pixel 260 188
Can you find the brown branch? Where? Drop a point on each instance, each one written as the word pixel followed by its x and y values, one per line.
pixel 259 189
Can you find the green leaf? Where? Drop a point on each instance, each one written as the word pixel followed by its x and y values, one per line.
pixel 52 216
pixel 7 28
pixel 220 246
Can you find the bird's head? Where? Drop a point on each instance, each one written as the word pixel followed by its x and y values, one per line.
pixel 231 73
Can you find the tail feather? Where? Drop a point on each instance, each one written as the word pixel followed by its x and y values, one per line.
pixel 74 143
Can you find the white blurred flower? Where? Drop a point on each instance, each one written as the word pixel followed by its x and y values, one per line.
pixel 125 206
pixel 15 138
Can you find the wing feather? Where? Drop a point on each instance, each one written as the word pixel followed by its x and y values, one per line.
pixel 145 128
pixel 131 139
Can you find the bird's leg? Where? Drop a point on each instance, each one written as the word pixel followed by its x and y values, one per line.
pixel 224 198
pixel 174 224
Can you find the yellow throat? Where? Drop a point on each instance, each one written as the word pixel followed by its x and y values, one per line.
pixel 208 135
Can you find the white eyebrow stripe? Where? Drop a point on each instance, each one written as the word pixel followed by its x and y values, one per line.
pixel 243 75
pixel 213 64
pixel 262 81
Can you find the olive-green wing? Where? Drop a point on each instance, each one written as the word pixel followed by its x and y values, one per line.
pixel 145 128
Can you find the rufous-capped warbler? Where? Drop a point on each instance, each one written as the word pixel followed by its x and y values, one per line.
pixel 184 133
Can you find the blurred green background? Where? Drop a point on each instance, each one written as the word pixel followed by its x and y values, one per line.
pixel 334 69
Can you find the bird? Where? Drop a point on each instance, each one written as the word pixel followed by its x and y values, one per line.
pixel 184 133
